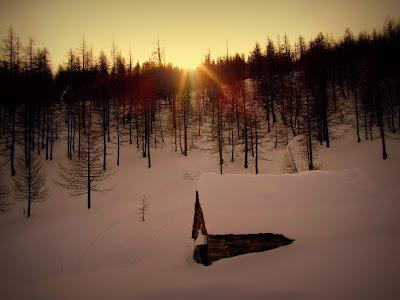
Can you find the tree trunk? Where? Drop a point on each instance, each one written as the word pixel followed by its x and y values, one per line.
pixel 309 141
pixel 357 114
pixel 130 122
pixel 51 138
pixel 104 134
pixel 256 133
pixel 47 136
pixel 12 150
pixel 174 121
pixel 148 143
pixel 220 136
pixel 185 116
pixel 365 124
pixel 118 141
pixel 382 131
pixel 79 135
pixel 137 130
pixel 267 103
pixel 29 178
pixel 89 188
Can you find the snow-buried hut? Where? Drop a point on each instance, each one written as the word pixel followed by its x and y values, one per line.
pixel 231 217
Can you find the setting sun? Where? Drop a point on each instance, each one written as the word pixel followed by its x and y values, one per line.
pixel 187 63
pixel 187 30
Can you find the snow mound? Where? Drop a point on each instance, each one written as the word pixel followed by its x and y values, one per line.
pixel 277 203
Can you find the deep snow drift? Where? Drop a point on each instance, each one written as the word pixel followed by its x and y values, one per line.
pixel 286 204
pixel 344 218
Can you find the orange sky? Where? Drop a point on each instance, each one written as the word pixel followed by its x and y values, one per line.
pixel 186 29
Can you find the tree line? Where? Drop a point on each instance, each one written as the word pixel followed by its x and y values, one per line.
pixel 281 92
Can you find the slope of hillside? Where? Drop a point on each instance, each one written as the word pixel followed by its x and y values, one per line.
pixel 344 219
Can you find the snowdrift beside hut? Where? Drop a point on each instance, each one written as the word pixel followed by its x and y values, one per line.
pixel 290 204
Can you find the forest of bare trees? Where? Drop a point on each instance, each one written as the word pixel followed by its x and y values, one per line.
pixel 281 92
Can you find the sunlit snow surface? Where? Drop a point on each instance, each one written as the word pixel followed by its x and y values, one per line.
pixel 344 218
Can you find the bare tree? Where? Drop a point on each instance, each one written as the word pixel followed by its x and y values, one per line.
pixel 3 196
pixel 220 130
pixel 83 175
pixel 143 208
pixel 30 181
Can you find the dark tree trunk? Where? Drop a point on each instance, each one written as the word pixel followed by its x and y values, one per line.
pixel 43 127
pixel 357 114
pixel 47 136
pixel 272 100
pixel 365 124
pixel 26 135
pixel 174 121
pixel 326 131
pixel 220 137
pixel 89 188
pixel 29 178
pixel 185 116
pixel 267 103
pixel 251 139
pixel 334 94
pixel 256 133
pixel 161 129
pixel 232 137
pixel 246 146
pixel 104 133
pixel 118 140
pixel 144 135
pixel 381 123
pixel 12 150
pixel 130 122
pixel 137 131
pixel 108 119
pixel 51 138
pixel 148 143
pixel 309 141
pixel 371 124
pixel 79 134
pixel 68 134
pixel 73 135
pixel 382 132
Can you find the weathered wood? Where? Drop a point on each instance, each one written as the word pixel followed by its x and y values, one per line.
pixel 220 246
pixel 200 255
pixel 198 219
pixel 229 245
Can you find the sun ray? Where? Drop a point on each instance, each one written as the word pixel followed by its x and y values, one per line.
pixel 182 82
pixel 211 75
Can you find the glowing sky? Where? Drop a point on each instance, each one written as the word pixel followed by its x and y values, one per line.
pixel 186 29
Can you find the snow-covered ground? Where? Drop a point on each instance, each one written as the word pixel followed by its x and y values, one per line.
pixel 344 219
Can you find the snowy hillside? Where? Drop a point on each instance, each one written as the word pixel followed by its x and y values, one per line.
pixel 344 219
